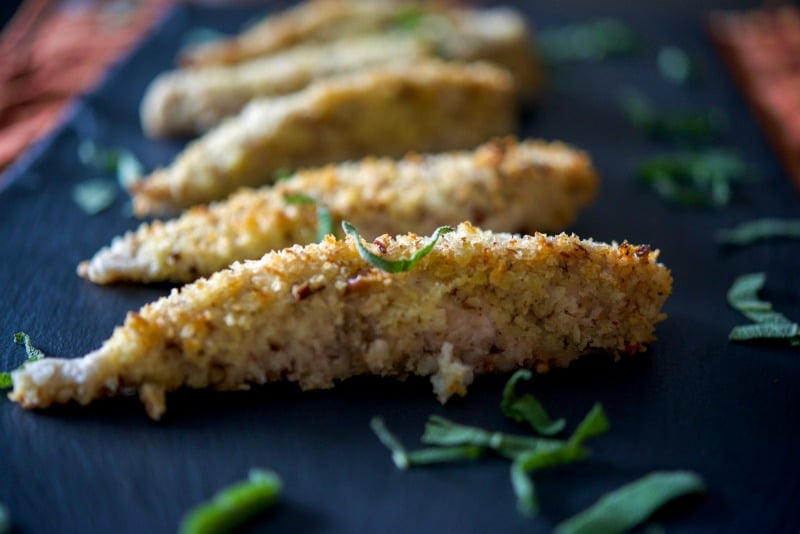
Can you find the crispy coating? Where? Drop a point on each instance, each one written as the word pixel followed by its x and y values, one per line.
pixel 430 107
pixel 190 101
pixel 315 315
pixel 504 185
pixel 310 21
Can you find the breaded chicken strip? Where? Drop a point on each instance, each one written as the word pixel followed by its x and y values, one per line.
pixel 498 34
pixel 315 315
pixel 503 185
pixel 190 101
pixel 310 21
pixel 430 107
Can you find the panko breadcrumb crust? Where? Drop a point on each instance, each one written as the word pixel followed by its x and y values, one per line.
pixel 479 302
pixel 498 34
pixel 430 106
pixel 504 185
pixel 187 102
pixel 309 21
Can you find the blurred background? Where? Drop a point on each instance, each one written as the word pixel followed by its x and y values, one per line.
pixel 52 50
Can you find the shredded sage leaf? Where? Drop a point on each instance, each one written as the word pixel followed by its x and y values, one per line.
pixel 119 161
pixel 688 128
pixel 524 489
pixel 324 218
pixel 760 230
pixel 404 459
pixel 91 156
pixel 677 66
pixel 455 442
pixel 235 505
pixel 527 408
pixel 408 18
pixel 438 455
pixel 441 431
pixel 630 505
pixel 393 266
pixel 743 294
pixel 776 330
pixel 390 441
pixel 594 41
pixel 129 169
pixel 95 195
pixel 31 354
pixel 703 179
pixel 552 453
pixel 5 521
pixel 743 297
pixel 768 324
pixel 281 173
pixel 593 424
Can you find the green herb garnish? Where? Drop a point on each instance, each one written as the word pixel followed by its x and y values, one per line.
pixel 121 162
pixel 760 230
pixel 393 266
pixel 677 66
pixel 441 431
pixel 31 352
pixel 235 505
pixel 688 128
pixel 531 453
pixel 404 459
pixel 553 453
pixel 281 173
pixel 129 169
pixel 31 355
pixel 95 195
pixel 5 522
pixel 593 41
pixel 527 453
pixel 408 18
pixel 200 35
pixel 438 455
pixel 694 179
pixel 527 408
pixel 630 505
pixel 324 219
pixel 390 441
pixel 751 332
pixel 768 324
pixel 743 297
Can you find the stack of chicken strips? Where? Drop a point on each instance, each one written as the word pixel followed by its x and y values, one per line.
pixel 396 121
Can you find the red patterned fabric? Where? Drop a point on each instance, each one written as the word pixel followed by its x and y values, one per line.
pixel 762 50
pixel 53 50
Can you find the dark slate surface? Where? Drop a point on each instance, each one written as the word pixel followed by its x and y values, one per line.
pixel 693 401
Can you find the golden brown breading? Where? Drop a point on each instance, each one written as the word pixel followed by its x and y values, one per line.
pixel 190 101
pixel 310 21
pixel 315 315
pixel 503 185
pixel 498 35
pixel 430 107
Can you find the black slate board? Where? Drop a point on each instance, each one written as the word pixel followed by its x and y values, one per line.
pixel 693 401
